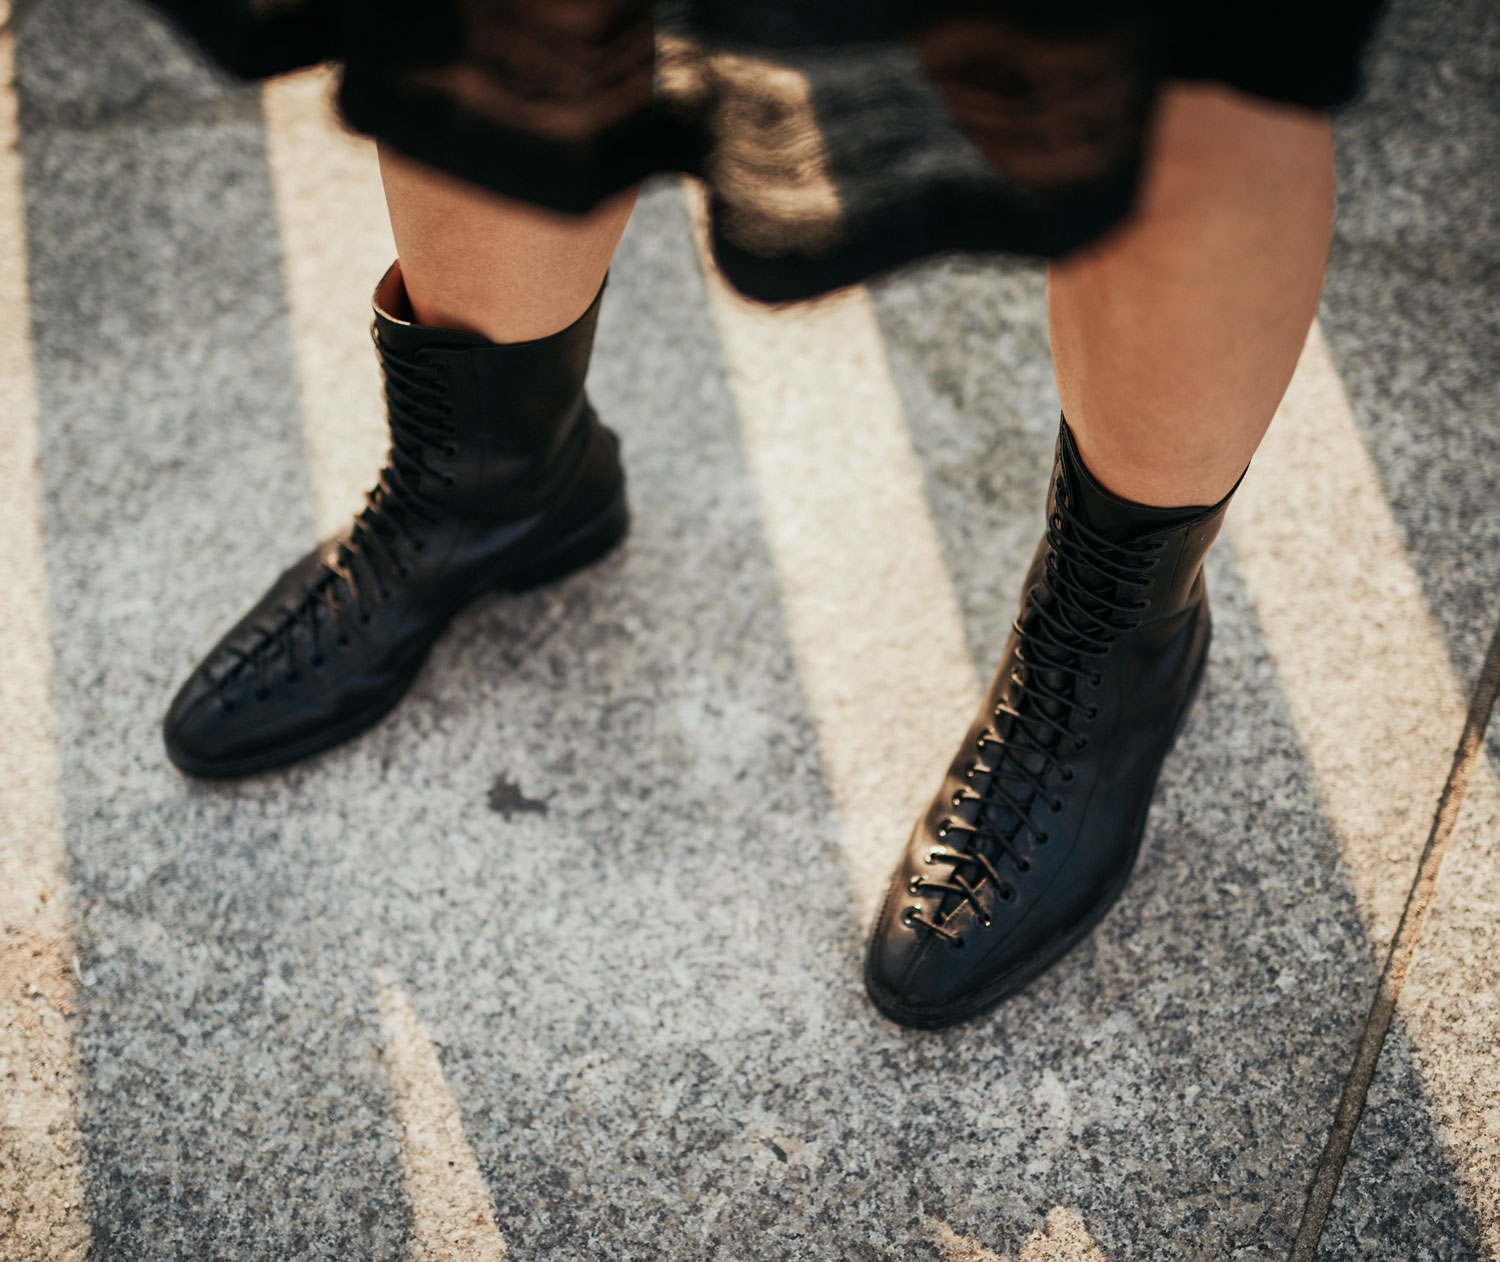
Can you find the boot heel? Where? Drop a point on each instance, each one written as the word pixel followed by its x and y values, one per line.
pixel 583 546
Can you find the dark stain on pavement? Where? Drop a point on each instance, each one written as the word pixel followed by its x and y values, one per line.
pixel 507 799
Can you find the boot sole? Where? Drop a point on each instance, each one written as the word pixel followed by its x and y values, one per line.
pixel 1050 952
pixel 586 544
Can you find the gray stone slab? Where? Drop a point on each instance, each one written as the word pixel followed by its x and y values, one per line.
pixel 645 997
pixel 1410 314
pixel 1399 1200
pixel 230 1095
pixel 967 342
pixel 1410 308
pixel 1423 1175
pixel 108 63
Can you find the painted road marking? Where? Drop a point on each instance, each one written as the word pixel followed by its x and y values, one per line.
pixel 1062 1239
pixel 874 623
pixel 452 1217
pixel 336 243
pixel 41 1171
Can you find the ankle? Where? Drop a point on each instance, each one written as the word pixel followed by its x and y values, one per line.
pixel 394 298
pixel 1145 474
pixel 1105 507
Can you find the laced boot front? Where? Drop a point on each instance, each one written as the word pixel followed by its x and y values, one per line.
pixel 499 475
pixel 1035 830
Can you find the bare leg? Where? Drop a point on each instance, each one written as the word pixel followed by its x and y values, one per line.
pixel 479 263
pixel 1174 340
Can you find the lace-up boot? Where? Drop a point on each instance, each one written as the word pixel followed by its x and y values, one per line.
pixel 499 476
pixel 1039 819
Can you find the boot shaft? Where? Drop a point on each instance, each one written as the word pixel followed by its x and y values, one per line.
pixel 1037 823
pixel 1179 538
pixel 513 413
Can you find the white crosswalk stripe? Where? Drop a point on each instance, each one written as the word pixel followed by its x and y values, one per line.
pixel 334 250
pixel 875 625
pixel 452 1218
pixel 41 1170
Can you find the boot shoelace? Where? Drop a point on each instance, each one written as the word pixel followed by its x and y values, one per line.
pixel 1059 636
pixel 395 511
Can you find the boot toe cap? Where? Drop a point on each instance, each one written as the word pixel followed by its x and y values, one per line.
pixel 919 979
pixel 223 727
pixel 204 728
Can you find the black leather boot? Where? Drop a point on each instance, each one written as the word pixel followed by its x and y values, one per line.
pixel 499 476
pixel 1037 824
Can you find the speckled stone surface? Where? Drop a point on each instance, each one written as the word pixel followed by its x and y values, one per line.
pixel 1410 313
pixel 1409 306
pixel 1398 1202
pixel 595 846
pixel 1434 1107
pixel 230 1093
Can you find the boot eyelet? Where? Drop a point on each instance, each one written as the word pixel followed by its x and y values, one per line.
pixel 944 829
pixel 1092 712
pixel 364 619
pixel 1096 679
pixel 970 768
pixel 914 886
pixel 985 919
pixel 933 856
pixel 1069 775
pixel 1056 804
pixel 908 914
pixel 450 450
pixel 1007 893
pixel 1043 838
pixel 957 944
pixel 960 798
pixel 1080 743
pixel 1023 865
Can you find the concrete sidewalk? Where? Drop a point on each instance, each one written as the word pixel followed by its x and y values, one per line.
pixel 536 969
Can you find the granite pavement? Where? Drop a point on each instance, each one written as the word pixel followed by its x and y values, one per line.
pixel 562 960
